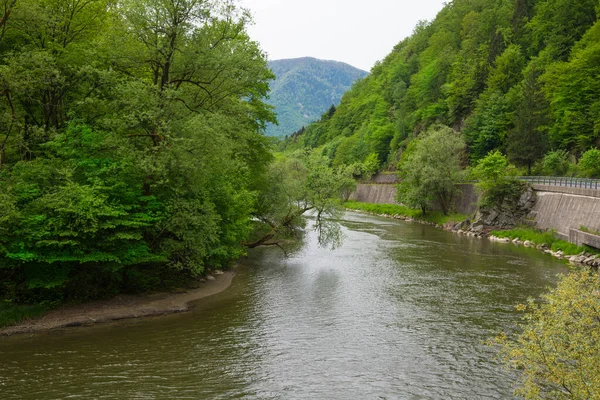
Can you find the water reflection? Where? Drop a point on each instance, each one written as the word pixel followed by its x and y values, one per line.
pixel 400 311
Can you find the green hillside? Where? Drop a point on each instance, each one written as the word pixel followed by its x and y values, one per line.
pixel 518 76
pixel 305 88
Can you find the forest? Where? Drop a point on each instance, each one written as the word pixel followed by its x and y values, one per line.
pixel 132 149
pixel 515 76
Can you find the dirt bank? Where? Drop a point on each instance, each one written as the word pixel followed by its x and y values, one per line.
pixel 121 307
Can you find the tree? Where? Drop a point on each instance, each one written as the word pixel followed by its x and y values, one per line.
pixel 75 218
pixel 431 169
pixel 132 153
pixel 300 184
pixel 556 163
pixel 527 142
pixel 590 163
pixel 557 353
pixel 574 93
pixel 494 180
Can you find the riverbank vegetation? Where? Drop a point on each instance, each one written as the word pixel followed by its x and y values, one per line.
pixel 396 210
pixel 543 238
pixel 132 153
pixel 431 169
pixel 557 352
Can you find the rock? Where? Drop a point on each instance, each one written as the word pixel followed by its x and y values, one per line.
pixel 580 259
pixel 479 229
pixel 217 272
pixel 527 243
pixel 210 278
pixel 589 260
pixel 462 225
pixel 504 240
pixel 506 215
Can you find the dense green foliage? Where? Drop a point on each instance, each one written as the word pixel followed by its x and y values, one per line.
pixel 494 181
pixel 132 154
pixel 515 76
pixel 306 87
pixel 297 184
pixel 557 354
pixel 431 169
pixel 590 163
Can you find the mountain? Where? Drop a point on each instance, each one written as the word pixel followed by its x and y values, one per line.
pixel 305 88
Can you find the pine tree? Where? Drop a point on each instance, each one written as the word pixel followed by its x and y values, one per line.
pixel 527 142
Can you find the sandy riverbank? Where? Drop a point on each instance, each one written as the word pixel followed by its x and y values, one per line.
pixel 121 307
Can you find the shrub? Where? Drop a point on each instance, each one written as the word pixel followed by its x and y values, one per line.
pixel 494 181
pixel 556 163
pixel 557 352
pixel 590 163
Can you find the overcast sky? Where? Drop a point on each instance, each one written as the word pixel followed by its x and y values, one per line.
pixel 358 32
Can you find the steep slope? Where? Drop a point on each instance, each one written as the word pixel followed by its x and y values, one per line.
pixel 305 88
pixel 512 75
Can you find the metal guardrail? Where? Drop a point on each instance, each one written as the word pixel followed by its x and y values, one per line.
pixel 563 181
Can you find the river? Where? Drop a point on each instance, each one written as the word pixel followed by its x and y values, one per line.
pixel 400 311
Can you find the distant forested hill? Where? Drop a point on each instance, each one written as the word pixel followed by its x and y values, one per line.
pixel 518 76
pixel 305 88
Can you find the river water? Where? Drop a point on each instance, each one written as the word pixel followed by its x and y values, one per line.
pixel 400 311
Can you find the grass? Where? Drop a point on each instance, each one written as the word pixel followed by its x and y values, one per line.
pixel 11 314
pixel 546 237
pixel 436 217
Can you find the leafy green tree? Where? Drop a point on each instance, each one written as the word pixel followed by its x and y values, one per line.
pixel 488 127
pixel 590 163
pixel 557 354
pixel 494 180
pixel 431 169
pixel 556 163
pixel 75 218
pixel 131 147
pixel 301 184
pixel 527 142
pixel 574 94
pixel 558 24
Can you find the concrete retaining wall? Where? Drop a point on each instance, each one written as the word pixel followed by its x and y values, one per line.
pixel 564 211
pixel 465 203
pixel 375 193
pixel 567 190
pixel 560 208
pixel 580 238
